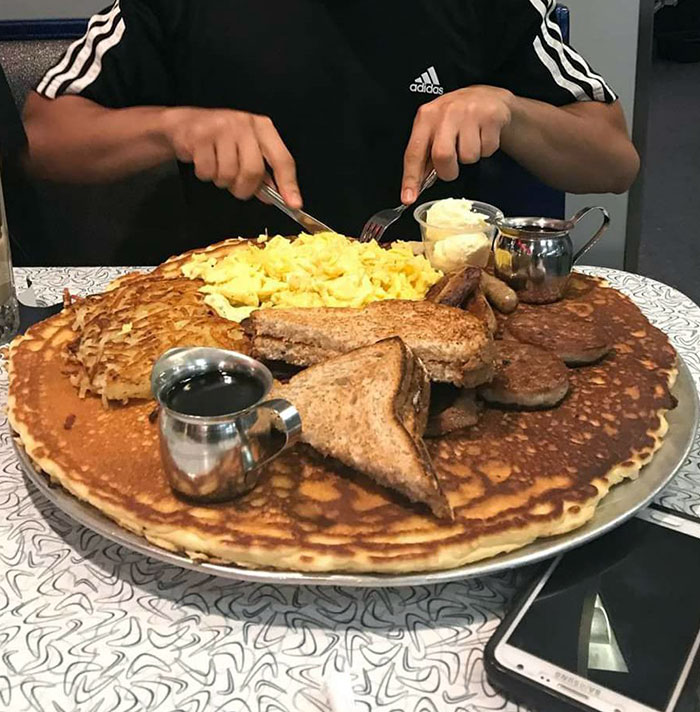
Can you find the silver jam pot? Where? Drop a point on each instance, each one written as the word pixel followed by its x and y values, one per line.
pixel 217 458
pixel 535 256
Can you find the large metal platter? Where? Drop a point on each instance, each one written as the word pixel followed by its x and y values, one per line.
pixel 623 501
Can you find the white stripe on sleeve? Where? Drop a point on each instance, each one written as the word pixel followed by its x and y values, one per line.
pixel 98 35
pixel 94 71
pixel 95 21
pixel 559 57
pixel 588 84
pixel 578 93
pixel 557 42
pixel 577 57
pixel 555 31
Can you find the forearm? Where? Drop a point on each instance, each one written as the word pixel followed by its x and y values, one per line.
pixel 581 148
pixel 80 141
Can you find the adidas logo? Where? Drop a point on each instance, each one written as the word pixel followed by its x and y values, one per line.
pixel 427 83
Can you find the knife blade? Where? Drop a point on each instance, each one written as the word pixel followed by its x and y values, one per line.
pixel 308 222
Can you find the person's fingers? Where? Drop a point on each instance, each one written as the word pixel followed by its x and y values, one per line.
pixel 416 155
pixel 280 161
pixel 184 151
pixel 444 149
pixel 469 144
pixel 251 167
pixel 490 140
pixel 204 159
pixel 227 161
pixel 269 180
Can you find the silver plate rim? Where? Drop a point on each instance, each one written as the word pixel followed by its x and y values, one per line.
pixel 640 492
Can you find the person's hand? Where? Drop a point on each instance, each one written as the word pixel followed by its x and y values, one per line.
pixel 230 149
pixel 462 126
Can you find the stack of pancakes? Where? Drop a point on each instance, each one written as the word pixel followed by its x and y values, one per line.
pixel 512 477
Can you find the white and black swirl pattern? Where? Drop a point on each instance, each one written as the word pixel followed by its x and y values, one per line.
pixel 86 625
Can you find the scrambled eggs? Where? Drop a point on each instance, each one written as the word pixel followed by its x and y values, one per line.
pixel 326 269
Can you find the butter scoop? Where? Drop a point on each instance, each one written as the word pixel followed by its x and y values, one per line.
pixel 458 251
pixel 457 232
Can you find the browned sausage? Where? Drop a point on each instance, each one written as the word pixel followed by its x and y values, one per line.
pixel 575 340
pixel 455 288
pixel 479 306
pixel 526 376
pixel 499 293
pixel 451 409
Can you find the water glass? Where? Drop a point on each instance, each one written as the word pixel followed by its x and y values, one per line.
pixel 9 306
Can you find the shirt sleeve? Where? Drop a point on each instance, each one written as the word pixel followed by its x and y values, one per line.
pixel 119 62
pixel 540 65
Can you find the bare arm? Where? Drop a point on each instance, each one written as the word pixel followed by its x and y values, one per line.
pixel 579 148
pixel 73 139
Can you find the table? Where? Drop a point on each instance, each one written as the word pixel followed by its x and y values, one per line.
pixel 88 626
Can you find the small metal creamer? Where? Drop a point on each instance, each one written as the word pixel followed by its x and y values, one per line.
pixel 217 458
pixel 535 256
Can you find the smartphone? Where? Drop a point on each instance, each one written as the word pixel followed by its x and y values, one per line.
pixel 613 626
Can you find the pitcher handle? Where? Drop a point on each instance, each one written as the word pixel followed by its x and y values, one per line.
pixel 601 231
pixel 289 423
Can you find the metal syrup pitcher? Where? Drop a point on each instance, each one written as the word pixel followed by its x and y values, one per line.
pixel 217 458
pixel 535 256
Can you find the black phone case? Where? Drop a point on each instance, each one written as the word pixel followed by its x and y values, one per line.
pixel 28 316
pixel 542 699
pixel 517 687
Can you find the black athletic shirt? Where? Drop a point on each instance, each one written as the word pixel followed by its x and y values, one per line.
pixel 341 79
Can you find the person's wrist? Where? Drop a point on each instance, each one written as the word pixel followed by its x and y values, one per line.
pixel 511 102
pixel 166 123
pixel 517 107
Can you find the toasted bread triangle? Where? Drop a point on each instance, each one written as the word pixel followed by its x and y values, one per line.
pixel 368 410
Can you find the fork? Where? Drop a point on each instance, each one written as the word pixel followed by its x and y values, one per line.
pixel 376 226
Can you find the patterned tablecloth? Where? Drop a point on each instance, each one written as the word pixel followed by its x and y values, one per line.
pixel 88 626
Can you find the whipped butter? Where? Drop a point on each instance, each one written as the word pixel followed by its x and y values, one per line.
pixel 456 235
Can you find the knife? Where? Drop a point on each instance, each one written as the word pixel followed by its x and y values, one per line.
pixel 309 223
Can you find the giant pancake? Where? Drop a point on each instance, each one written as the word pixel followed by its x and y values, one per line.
pixel 513 477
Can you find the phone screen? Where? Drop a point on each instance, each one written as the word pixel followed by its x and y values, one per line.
pixel 622 612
